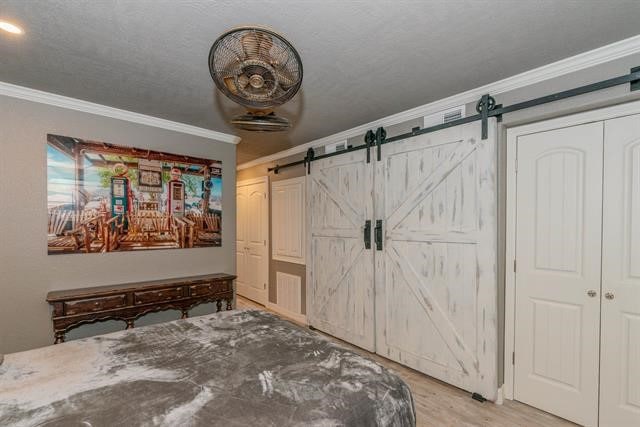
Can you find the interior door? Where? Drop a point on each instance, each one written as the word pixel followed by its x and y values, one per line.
pixel 436 289
pixel 620 338
pixel 340 268
pixel 558 254
pixel 252 234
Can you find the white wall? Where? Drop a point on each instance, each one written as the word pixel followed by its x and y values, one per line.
pixel 27 273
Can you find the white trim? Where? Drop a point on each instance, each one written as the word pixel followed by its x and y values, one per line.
pixel 300 318
pixel 565 66
pixel 513 134
pixel 33 95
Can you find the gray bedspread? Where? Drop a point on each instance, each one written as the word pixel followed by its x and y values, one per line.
pixel 235 368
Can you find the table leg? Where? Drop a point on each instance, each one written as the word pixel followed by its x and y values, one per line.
pixel 185 314
pixel 59 337
pixel 219 305
pixel 229 306
pixel 129 324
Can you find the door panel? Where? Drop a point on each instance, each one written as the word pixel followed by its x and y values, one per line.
pixel 436 290
pixel 340 269
pixel 558 250
pixel 620 341
pixel 241 238
pixel 253 229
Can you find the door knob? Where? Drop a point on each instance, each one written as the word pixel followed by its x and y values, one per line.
pixel 609 295
pixel 592 293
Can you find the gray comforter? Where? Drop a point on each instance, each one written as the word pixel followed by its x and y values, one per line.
pixel 236 368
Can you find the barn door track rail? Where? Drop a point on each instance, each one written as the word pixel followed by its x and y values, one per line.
pixel 485 108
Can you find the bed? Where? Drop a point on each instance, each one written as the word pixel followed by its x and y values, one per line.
pixel 235 368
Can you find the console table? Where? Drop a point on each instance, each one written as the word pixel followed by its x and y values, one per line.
pixel 129 301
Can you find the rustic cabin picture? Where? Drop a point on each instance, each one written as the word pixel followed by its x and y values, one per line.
pixel 103 197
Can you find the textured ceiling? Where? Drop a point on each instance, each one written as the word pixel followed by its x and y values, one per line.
pixel 362 59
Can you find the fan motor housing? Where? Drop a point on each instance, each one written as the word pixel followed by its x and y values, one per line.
pixel 261 122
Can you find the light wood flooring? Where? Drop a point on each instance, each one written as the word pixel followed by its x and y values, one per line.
pixel 439 404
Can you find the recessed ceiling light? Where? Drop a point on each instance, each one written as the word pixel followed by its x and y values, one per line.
pixel 10 28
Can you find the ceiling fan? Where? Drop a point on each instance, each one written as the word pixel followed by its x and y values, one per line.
pixel 258 69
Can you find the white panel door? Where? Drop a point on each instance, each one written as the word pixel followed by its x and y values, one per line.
pixel 436 289
pixel 241 239
pixel 288 219
pixel 620 338
pixel 558 252
pixel 252 234
pixel 340 268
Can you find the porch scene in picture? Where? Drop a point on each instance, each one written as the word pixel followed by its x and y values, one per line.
pixel 103 198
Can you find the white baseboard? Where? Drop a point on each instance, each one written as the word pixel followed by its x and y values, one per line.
pixel 300 318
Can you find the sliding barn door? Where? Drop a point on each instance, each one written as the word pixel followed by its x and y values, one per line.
pixel 620 338
pixel 340 268
pixel 436 291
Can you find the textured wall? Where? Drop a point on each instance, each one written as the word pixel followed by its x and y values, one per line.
pixel 27 273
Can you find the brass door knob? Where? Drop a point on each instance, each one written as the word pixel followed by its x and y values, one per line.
pixel 609 295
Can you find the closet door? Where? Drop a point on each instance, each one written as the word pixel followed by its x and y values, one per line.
pixel 436 289
pixel 620 339
pixel 241 238
pixel 558 252
pixel 252 253
pixel 340 268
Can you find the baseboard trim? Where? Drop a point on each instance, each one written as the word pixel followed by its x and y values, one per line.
pixel 297 317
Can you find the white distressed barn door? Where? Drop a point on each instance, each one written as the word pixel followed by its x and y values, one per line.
pixel 436 290
pixel 620 338
pixel 340 268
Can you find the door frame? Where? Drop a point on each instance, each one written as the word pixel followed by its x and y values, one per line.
pixel 261 180
pixel 513 133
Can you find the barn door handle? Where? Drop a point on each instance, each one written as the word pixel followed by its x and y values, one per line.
pixel 367 234
pixel 378 234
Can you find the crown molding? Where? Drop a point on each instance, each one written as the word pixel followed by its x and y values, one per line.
pixel 565 66
pixel 33 95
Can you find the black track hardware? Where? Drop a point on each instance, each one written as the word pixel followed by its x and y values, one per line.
pixel 486 108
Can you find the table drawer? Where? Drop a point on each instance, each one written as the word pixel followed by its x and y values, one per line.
pixel 94 304
pixel 200 289
pixel 157 296
pixel 220 287
pixel 210 288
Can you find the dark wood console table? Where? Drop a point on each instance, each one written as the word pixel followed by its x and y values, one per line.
pixel 129 301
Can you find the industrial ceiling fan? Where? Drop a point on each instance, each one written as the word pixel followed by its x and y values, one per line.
pixel 258 69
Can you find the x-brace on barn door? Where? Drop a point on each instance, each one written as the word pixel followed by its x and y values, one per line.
pixel 420 223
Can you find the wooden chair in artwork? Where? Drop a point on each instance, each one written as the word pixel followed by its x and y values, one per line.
pixel 167 229
pixel 69 231
pixel 112 230
pixel 207 229
pixel 58 240
pixel 183 228
pixel 150 229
